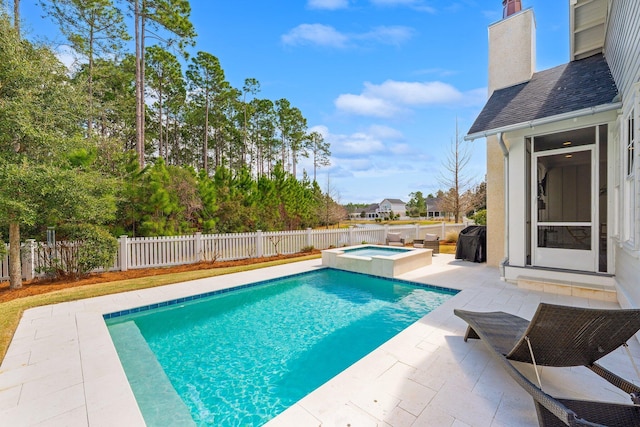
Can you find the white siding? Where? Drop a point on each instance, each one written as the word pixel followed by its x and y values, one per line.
pixel 622 44
pixel 622 50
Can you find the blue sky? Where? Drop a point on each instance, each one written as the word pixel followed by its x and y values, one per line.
pixel 382 80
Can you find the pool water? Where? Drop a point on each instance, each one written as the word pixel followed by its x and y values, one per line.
pixel 242 357
pixel 369 251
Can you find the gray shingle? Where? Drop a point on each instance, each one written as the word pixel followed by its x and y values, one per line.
pixel 570 87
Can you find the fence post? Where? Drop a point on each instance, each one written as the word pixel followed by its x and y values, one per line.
pixel 197 245
pixel 351 237
pixel 417 231
pixel 29 259
pixel 309 241
pixel 259 244
pixel 444 230
pixel 123 254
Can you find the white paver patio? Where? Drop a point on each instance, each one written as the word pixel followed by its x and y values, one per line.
pixel 62 368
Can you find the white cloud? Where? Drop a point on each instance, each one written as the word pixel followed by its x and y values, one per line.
pixel 387 35
pixel 328 4
pixel 385 132
pixel 391 97
pixel 364 105
pixel 358 144
pixel 414 93
pixel 318 34
pixel 328 36
pixel 376 140
pixel 67 56
pixel 414 4
pixel 401 149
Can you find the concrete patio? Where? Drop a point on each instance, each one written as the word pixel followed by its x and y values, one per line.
pixel 62 368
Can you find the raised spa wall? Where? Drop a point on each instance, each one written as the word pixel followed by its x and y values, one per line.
pixel 377 265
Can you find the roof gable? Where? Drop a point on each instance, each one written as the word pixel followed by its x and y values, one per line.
pixel 574 86
pixel 394 201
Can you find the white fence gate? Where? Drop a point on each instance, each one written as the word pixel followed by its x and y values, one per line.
pixel 152 252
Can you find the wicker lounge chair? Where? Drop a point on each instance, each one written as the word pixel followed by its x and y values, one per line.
pixel 562 336
pixel 394 239
pixel 430 241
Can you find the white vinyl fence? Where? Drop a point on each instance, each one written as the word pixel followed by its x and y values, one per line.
pixel 151 252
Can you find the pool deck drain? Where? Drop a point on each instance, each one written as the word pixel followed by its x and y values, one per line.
pixel 62 368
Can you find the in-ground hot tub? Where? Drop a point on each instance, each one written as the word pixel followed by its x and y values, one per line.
pixel 382 261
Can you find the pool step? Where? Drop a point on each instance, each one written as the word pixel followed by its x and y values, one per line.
pixel 157 399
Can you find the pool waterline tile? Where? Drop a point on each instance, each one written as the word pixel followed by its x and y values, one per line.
pixel 134 310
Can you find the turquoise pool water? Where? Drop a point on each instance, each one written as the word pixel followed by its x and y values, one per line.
pixel 241 357
pixel 374 250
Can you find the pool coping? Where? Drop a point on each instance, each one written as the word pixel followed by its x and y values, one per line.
pixel 62 368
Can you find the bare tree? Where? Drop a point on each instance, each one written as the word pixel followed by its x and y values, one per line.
pixel 331 211
pixel 454 179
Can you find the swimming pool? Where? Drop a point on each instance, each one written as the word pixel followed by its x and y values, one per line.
pixel 368 251
pixel 242 357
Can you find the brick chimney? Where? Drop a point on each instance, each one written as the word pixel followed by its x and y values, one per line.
pixel 509 7
pixel 512 47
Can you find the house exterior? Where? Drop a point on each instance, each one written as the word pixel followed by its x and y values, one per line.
pixel 433 210
pixel 371 211
pixel 563 166
pixel 387 206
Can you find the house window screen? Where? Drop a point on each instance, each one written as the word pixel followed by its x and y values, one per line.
pixel 631 143
pixel 630 137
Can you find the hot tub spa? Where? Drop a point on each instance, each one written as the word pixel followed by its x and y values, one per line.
pixel 381 261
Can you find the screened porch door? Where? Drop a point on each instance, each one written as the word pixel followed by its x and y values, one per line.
pixel 563 210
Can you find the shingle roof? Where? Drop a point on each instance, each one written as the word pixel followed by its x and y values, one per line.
pixel 563 89
pixel 395 201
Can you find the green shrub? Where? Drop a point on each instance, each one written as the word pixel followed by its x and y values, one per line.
pixel 87 247
pixel 306 249
pixel 480 218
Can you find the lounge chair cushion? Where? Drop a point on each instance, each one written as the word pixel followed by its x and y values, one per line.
pixel 395 239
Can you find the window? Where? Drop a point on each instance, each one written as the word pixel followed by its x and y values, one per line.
pixel 629 142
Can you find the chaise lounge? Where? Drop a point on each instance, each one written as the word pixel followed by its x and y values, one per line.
pixel 562 336
pixel 430 241
pixel 394 239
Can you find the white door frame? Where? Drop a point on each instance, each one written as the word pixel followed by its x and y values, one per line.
pixel 571 259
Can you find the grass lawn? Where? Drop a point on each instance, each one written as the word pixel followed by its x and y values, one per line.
pixel 11 311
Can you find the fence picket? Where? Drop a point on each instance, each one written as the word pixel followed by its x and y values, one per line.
pixel 150 252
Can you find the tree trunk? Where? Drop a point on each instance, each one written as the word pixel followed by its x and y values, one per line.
pixel 205 145
pixel 15 266
pixel 90 119
pixel 143 107
pixel 160 152
pixel 139 143
pixel 16 16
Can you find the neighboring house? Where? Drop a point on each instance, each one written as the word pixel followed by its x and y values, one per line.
pixel 387 206
pixel 371 211
pixel 563 166
pixel 433 209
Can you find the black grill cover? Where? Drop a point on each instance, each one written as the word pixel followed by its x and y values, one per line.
pixel 472 244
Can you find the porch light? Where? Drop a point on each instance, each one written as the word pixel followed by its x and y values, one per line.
pixel 568 156
pixel 566 143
